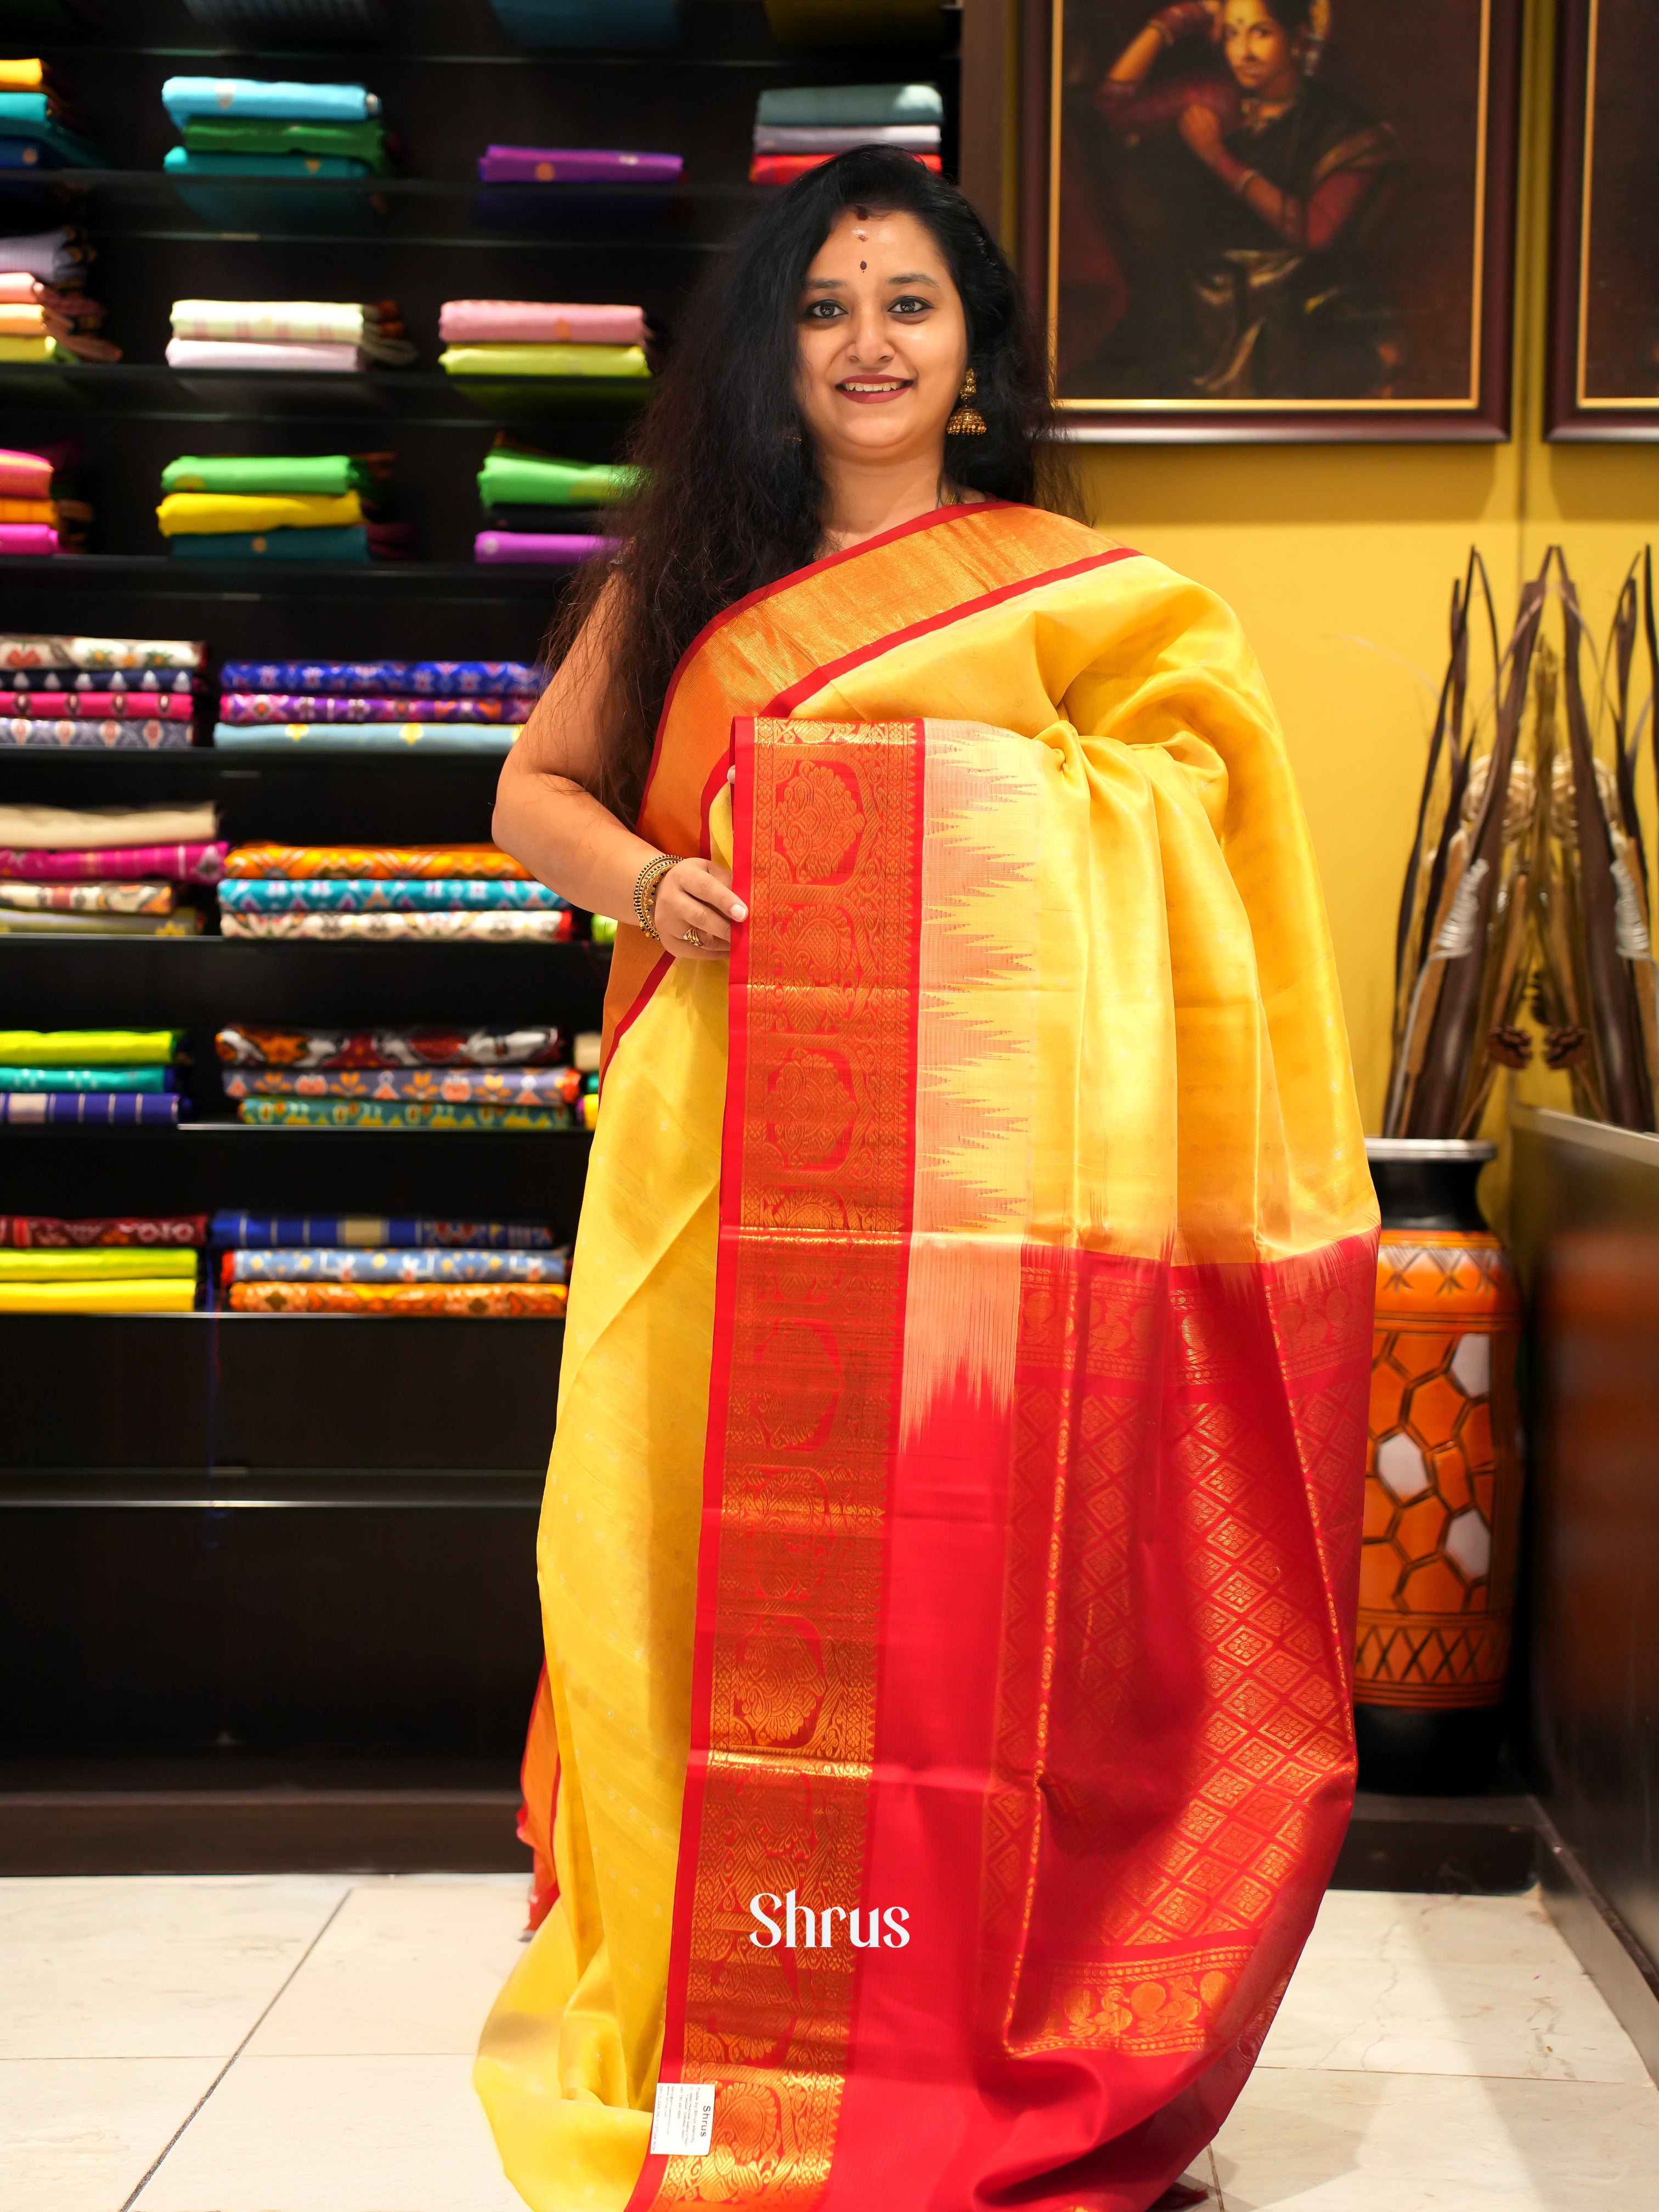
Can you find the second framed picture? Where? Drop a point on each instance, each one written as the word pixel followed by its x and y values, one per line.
pixel 1282 219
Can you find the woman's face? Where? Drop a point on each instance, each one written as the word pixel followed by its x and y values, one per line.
pixel 883 342
pixel 1263 56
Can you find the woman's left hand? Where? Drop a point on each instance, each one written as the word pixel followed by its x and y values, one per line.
pixel 1201 126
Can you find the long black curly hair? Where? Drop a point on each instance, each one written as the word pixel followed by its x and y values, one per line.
pixel 732 497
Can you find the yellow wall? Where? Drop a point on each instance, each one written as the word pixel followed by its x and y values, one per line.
pixel 1319 547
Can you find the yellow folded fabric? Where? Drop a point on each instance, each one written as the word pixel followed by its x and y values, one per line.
pixel 153 1294
pixel 97 1263
pixel 88 1047
pixel 213 511
pixel 31 349
pixel 19 321
pixel 544 361
pixel 23 75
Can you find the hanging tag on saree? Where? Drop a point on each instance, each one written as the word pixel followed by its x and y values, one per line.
pixel 682 2119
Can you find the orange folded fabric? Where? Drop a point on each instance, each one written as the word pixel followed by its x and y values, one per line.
pixel 460 1301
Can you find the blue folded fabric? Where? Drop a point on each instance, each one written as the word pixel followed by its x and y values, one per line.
pixel 370 1232
pixel 89 1108
pixel 182 162
pixel 184 96
pixel 387 679
pixel 349 542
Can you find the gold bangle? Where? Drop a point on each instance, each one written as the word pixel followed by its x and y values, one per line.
pixel 646 884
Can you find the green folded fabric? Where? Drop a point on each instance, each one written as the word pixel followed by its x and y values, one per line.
pixel 322 476
pixel 84 1079
pixel 254 134
pixel 618 362
pixel 88 1047
pixel 509 479
pixel 98 1261
pixel 837 107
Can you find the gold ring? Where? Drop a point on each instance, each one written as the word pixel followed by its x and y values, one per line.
pixel 692 938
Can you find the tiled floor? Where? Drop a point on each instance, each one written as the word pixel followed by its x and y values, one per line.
pixel 303 2045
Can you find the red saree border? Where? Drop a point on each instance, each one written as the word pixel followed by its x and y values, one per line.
pixel 790 1578
pixel 935 519
pixel 789 699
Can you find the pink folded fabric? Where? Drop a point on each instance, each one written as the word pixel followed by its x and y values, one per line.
pixel 539 322
pixel 540 549
pixel 249 353
pixel 24 475
pixel 27 538
pixel 178 864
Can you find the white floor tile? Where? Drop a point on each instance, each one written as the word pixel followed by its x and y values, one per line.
pixel 162 1966
pixel 1399 2143
pixel 408 1967
pixel 78 2134
pixel 337 2135
pixel 1447 1985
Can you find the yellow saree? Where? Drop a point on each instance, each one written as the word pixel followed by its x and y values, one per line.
pixel 953 1511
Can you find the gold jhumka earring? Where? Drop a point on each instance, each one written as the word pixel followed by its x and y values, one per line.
pixel 967 421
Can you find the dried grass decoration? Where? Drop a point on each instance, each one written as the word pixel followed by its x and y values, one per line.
pixel 1515 906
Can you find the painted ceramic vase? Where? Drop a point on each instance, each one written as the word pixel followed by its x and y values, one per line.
pixel 1442 1479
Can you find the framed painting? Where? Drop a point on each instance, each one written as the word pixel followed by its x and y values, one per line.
pixel 1276 219
pixel 1604 281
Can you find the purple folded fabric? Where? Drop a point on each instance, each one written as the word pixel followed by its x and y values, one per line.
pixel 575 165
pixel 538 322
pixel 543 548
pixel 27 538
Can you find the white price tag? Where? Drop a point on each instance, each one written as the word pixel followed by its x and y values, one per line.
pixel 682 2119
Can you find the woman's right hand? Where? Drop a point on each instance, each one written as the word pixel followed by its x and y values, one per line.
pixel 697 895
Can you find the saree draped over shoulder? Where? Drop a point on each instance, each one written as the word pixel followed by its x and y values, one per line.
pixel 961 1430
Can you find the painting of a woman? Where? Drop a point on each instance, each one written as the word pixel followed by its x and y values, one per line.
pixel 1222 219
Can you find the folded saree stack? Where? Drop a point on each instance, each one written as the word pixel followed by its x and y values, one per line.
pixel 799 127
pixel 143 1263
pixel 409 1267
pixel 310 336
pixel 46 315
pixel 374 706
pixel 105 870
pixel 306 507
pixel 252 127
pixel 544 339
pixel 92 1078
pixel 537 508
pixel 38 511
pixel 38 127
pixel 428 1077
pixel 383 894
pixel 96 694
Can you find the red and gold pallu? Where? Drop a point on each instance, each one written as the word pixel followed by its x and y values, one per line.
pixel 962 1429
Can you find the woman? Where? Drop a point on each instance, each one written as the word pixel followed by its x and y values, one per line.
pixel 962 1418
pixel 1278 183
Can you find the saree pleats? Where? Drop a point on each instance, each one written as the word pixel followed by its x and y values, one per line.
pixel 961 1441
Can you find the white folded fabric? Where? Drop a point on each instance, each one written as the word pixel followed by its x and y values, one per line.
pixel 50 255
pixel 75 829
pixel 231 353
pixel 841 138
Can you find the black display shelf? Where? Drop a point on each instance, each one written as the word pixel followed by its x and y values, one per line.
pixel 295 1537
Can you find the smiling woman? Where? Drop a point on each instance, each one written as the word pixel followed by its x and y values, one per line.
pixel 961 1423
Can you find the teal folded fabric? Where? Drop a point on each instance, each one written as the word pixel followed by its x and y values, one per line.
pixel 348 543
pixel 180 161
pixel 382 894
pixel 72 151
pixel 837 106
pixel 364 737
pixel 86 1078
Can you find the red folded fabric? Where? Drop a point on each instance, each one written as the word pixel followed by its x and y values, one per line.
pixel 45 1232
pixel 784 168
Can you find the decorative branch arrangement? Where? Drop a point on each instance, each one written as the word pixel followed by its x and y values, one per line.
pixel 1527 892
